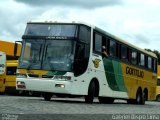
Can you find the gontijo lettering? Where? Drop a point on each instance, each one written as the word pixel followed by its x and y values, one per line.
pixel 134 72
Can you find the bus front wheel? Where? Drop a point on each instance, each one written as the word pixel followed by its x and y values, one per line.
pixel 91 93
pixel 47 96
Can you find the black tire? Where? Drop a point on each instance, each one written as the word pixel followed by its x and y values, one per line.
pixel 91 93
pixel 143 99
pixel 140 98
pixel 47 96
pixel 30 93
pixel 158 98
pixel 106 100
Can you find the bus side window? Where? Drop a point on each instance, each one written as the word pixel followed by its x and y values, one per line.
pixel 82 51
pixel 142 60
pixel 124 52
pixel 97 43
pixel 104 42
pixel 149 63
pixel 112 48
pixel 154 64
pixel 118 50
pixel 146 62
pixel 133 56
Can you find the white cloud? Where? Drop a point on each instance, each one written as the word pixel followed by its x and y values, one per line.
pixel 72 3
pixel 136 21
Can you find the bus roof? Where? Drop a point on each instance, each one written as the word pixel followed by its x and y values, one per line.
pixel 98 29
pixel 8 48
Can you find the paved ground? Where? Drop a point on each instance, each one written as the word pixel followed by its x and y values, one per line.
pixel 26 106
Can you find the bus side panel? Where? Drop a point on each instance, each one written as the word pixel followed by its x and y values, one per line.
pixel 109 74
pixel 135 78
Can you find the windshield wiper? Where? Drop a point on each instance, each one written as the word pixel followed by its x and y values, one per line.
pixel 46 52
pixel 40 52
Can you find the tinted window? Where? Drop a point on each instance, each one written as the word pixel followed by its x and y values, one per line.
pixel 98 42
pixel 84 34
pixel 134 57
pixel 146 61
pixel 154 65
pixel 124 52
pixel 141 59
pixel 112 48
pixel 105 43
pixel 149 62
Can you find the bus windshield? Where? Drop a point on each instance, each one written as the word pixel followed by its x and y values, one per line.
pixel 47 55
pixel 59 55
pixel 55 47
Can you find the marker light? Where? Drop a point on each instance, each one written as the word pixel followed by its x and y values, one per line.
pixel 60 85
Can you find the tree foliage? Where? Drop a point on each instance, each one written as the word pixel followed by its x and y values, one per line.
pixel 155 52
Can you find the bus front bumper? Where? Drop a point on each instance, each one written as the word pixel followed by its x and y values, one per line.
pixel 44 85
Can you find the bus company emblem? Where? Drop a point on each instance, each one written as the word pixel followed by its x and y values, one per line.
pixel 96 62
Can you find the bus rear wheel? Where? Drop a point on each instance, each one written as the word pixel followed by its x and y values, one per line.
pixel 91 93
pixel 140 98
pixel 47 96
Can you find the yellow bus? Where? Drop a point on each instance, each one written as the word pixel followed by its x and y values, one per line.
pixel 2 71
pixel 66 58
pixel 158 85
pixel 12 51
pixel 10 83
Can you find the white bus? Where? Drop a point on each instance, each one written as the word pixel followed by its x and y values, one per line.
pixel 67 59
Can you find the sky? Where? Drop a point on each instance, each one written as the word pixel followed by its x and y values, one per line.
pixel 135 21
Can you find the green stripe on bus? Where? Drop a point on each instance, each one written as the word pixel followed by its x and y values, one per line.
pixel 114 75
pixel 119 75
pixel 110 76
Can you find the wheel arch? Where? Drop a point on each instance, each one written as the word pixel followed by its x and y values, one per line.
pixel 139 90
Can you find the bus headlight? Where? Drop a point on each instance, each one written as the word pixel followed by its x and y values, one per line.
pixel 60 85
pixel 21 85
pixel 59 77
